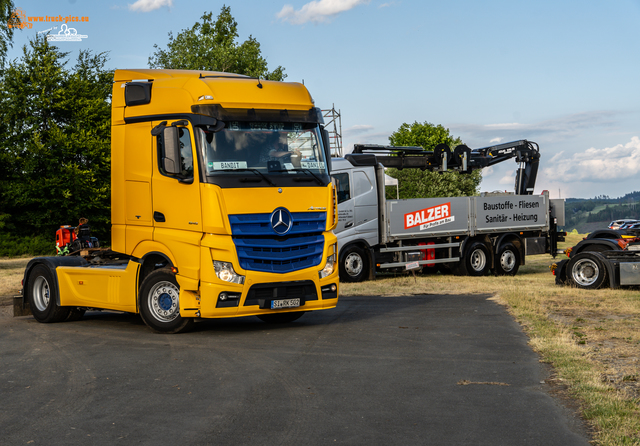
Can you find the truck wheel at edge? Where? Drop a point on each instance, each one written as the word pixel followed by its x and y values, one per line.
pixel 42 296
pixel 354 264
pixel 587 271
pixel 160 305
pixel 507 260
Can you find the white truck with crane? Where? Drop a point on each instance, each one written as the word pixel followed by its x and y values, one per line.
pixel 465 235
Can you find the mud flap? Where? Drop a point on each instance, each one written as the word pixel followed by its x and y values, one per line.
pixel 20 307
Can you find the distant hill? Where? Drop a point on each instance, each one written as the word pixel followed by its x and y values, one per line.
pixel 588 214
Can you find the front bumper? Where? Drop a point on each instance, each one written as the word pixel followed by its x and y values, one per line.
pixel 255 296
pixel 214 298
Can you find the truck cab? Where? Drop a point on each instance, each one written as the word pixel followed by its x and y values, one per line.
pixel 222 206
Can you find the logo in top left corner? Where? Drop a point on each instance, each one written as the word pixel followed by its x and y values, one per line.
pixel 18 19
pixel 66 34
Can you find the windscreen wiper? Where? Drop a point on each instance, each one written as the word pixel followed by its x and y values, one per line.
pixel 248 169
pixel 303 171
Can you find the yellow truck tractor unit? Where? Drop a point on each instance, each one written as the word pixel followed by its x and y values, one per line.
pixel 222 206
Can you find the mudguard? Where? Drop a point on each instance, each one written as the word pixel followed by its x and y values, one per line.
pixel 52 263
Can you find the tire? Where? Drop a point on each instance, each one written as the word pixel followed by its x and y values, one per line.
pixel 281 318
pixel 354 264
pixel 42 292
pixel 160 305
pixel 476 260
pixel 587 271
pixel 507 260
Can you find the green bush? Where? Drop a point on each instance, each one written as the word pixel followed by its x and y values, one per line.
pixel 38 245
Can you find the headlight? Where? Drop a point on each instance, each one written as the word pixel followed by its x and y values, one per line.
pixel 225 271
pixel 331 262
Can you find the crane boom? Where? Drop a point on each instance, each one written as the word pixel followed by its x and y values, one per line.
pixel 462 159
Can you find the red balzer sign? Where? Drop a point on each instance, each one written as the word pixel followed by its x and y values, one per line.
pixel 429 217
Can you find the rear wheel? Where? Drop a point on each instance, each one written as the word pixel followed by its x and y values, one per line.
pixel 281 318
pixel 42 292
pixel 587 271
pixel 507 260
pixel 160 304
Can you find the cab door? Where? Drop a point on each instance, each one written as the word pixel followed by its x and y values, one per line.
pixel 176 197
pixel 365 202
pixel 346 212
pixel 177 212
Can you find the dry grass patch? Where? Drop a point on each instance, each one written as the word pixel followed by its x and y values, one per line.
pixel 11 271
pixel 591 337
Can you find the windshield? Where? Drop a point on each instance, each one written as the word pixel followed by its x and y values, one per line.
pixel 263 148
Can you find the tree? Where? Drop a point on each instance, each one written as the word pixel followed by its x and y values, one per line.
pixel 416 183
pixel 6 32
pixel 54 141
pixel 211 46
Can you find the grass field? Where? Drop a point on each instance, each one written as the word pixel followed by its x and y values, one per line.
pixel 590 337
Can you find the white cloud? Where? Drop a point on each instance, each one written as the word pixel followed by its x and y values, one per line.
pixel 509 179
pixel 356 129
pixel 498 140
pixel 608 164
pixel 560 128
pixel 316 11
pixel 149 5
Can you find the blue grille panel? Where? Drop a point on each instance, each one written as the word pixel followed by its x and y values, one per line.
pixel 260 224
pixel 259 248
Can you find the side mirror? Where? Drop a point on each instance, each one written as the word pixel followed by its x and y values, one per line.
pixel 171 149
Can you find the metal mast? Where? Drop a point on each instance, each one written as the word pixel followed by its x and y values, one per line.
pixel 333 124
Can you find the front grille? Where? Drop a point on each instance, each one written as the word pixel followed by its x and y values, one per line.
pixel 259 248
pixel 260 224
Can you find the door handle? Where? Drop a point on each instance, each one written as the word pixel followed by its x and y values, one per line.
pixel 159 217
pixel 348 225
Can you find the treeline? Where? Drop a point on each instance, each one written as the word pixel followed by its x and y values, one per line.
pixel 603 209
pixel 610 213
pixel 54 146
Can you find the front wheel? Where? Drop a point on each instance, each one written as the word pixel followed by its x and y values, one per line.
pixel 354 265
pixel 586 270
pixel 160 304
pixel 476 260
pixel 507 260
pixel 42 292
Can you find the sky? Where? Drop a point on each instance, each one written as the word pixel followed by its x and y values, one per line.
pixel 564 74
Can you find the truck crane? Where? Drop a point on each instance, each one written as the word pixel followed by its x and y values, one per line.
pixel 471 235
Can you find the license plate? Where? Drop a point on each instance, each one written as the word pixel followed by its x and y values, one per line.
pixel 412 265
pixel 285 303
